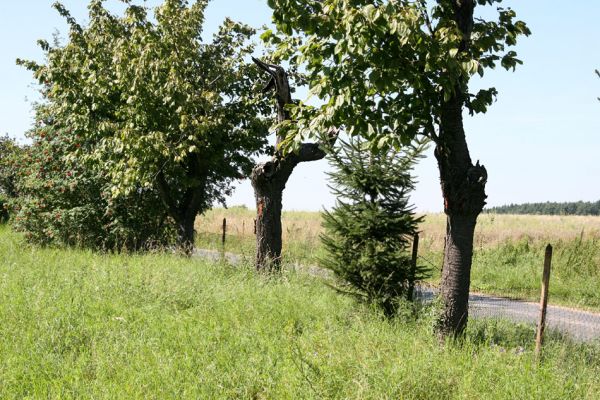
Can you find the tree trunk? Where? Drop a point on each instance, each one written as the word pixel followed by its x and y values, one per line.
pixel 456 274
pixel 268 227
pixel 463 187
pixel 185 207
pixel 186 233
pixel 268 181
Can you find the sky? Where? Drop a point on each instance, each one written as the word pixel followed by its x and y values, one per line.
pixel 539 142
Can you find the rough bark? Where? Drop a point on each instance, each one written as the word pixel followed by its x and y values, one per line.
pixel 269 179
pixel 463 188
pixel 268 182
pixel 185 209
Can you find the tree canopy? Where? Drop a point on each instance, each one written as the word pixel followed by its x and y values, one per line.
pixel 155 105
pixel 385 68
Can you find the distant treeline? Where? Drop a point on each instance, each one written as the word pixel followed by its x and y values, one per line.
pixel 549 208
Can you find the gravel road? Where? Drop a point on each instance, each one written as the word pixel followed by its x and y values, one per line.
pixel 580 325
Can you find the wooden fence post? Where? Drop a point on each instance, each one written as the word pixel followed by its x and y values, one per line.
pixel 413 267
pixel 224 233
pixel 543 301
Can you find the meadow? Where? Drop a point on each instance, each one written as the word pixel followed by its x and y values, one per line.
pixel 508 250
pixel 79 325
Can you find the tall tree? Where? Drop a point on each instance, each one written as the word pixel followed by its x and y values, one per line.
pixel 156 106
pixel 391 70
pixel 269 178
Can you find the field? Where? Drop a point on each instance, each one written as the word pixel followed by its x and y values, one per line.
pixel 81 325
pixel 508 253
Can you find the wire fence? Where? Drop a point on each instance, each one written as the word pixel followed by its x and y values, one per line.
pixel 577 324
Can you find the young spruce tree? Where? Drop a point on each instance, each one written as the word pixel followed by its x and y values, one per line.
pixel 368 233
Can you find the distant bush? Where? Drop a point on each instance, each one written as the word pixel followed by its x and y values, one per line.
pixel 3 209
pixel 368 233
pixel 10 154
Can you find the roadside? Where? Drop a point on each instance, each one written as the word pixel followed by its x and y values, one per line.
pixel 578 324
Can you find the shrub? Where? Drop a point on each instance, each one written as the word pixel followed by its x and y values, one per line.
pixel 10 156
pixel 65 202
pixel 368 232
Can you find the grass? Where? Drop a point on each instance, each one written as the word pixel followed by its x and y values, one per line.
pixel 80 325
pixel 508 250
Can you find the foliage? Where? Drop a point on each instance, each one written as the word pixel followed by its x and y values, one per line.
pixel 392 71
pixel 367 235
pixel 10 152
pixel 63 202
pixel 549 208
pixel 4 215
pixel 385 68
pixel 11 155
pixel 77 325
pixel 158 108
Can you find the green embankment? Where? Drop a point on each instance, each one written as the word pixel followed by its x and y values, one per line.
pixel 80 325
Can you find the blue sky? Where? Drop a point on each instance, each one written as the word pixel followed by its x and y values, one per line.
pixel 540 141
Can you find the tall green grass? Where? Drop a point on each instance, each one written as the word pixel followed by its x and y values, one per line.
pixel 515 269
pixel 80 325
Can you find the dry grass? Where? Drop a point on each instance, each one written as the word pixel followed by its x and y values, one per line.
pixel 492 230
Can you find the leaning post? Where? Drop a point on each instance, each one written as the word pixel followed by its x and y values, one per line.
pixel 543 301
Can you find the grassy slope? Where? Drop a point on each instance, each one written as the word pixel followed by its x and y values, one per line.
pixel 508 250
pixel 79 325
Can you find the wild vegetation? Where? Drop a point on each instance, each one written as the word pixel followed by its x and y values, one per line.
pixel 508 250
pixel 164 120
pixel 82 325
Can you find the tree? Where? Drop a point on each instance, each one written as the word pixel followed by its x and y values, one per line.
pixel 157 107
pixel 395 70
pixel 269 178
pixel 367 235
